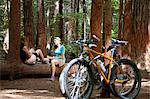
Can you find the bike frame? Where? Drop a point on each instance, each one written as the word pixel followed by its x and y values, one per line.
pixel 91 51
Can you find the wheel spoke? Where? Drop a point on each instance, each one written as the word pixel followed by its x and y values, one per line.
pixel 126 81
pixel 78 81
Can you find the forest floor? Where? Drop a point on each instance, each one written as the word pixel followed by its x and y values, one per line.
pixel 42 88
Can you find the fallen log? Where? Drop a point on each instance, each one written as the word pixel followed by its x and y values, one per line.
pixel 21 69
pixel 38 68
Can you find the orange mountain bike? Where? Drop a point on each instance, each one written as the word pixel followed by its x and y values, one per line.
pixel 78 77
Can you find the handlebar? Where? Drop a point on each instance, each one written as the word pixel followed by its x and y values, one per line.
pixel 81 42
pixel 115 42
pixel 119 42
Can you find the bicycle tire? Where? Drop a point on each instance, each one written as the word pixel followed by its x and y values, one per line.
pixel 78 80
pixel 135 88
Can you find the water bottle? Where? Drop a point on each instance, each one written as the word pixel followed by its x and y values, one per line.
pixel 99 62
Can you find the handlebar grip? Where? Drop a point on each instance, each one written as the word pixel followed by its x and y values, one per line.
pixel 119 42
pixel 123 42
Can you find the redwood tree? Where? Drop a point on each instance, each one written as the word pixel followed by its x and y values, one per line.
pixel 13 57
pixel 50 7
pixel 77 21
pixel 61 29
pixel 120 19
pixel 84 19
pixel 141 36
pixel 126 31
pixel 96 20
pixel 136 30
pixel 41 34
pixel 28 22
pixel 107 23
pixel 14 31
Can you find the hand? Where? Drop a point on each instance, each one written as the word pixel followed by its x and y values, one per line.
pixel 50 57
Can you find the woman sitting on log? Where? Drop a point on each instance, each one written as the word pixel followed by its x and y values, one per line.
pixel 29 55
pixel 58 58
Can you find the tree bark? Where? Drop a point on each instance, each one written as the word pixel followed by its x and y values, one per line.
pixel 13 57
pixel 38 69
pixel 148 46
pixel 136 24
pixel 41 33
pixel 120 19
pixel 127 34
pixel 50 7
pixel 140 29
pixel 28 22
pixel 96 20
pixel 84 20
pixel 108 23
pixel 61 20
pixel 14 30
pixel 77 21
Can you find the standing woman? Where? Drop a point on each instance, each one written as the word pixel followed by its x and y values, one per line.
pixel 58 58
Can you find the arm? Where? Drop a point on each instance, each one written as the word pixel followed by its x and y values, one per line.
pixel 50 57
pixel 63 52
pixel 62 56
pixel 27 51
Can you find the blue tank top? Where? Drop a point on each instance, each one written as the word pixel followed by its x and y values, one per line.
pixel 59 51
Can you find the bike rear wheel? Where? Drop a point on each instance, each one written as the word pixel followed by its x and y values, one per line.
pixel 126 80
pixel 78 80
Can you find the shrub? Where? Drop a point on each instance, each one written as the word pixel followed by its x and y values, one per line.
pixel 72 51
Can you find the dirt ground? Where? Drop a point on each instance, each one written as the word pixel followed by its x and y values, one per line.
pixel 42 88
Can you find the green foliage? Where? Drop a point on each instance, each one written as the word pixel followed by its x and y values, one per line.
pixel 72 15
pixel 1 14
pixel 68 14
pixel 114 33
pixel 72 51
pixel 2 22
pixel 115 4
pixel 35 15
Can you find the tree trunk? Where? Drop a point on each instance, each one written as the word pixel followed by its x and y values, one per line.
pixel 140 30
pixel 84 20
pixel 108 23
pixel 136 31
pixel 50 21
pixel 41 34
pixel 8 8
pixel 13 57
pixel 52 8
pixel 127 34
pixel 96 20
pixel 28 22
pixel 77 21
pixel 121 24
pixel 14 30
pixel 148 46
pixel 70 24
pixel 61 20
pixel 120 19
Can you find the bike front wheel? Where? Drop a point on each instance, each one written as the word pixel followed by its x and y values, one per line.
pixel 78 80
pixel 126 80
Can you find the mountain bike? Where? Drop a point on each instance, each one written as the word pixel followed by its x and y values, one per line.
pixel 78 77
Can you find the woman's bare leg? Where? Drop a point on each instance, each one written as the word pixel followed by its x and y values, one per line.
pixel 40 54
pixel 54 63
pixel 53 68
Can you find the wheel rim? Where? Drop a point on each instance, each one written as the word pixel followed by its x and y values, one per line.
pixel 128 80
pixel 77 81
